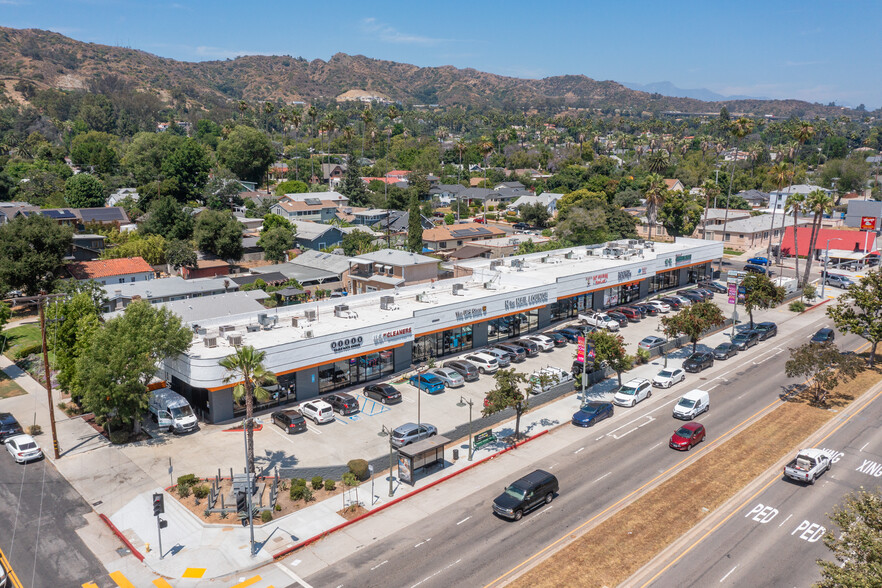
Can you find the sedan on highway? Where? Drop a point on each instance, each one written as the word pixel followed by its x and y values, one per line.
pixel 745 340
pixel 592 412
pixel 667 378
pixel 451 378
pixel 651 342
pixel 759 260
pixel 427 382
pixel 385 393
pixel 766 330
pixel 23 448
pixel 699 361
pixel 825 335
pixel 632 392
pixel 725 351
pixel 687 436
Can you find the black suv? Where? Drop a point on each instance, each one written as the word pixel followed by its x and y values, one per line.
pixel 766 330
pixel 515 353
pixel 8 426
pixel 745 339
pixel 824 335
pixel 530 346
pixel 523 495
pixel 342 403
pixel 290 421
pixel 698 361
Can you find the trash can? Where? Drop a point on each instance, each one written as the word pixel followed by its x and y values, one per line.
pixel 455 454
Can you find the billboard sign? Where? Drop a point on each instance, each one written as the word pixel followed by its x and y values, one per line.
pixel 868 223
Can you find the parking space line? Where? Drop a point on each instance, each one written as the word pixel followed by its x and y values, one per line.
pixel 313 429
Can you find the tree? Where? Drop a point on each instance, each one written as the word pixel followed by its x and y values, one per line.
pixel 738 129
pixel 760 293
pixel 97 150
pixel 711 190
pixel 146 153
pixel 352 186
pixel 656 189
pixel 507 394
pixel 150 247
pixel 414 226
pixel 823 366
pixel 169 219
pixel 780 174
pixel 76 319
pixel 859 520
pixel 179 253
pixel 246 152
pixel 582 227
pixel 32 249
pixel 449 218
pixel 246 368
pixel 535 214
pixel 680 213
pixel 84 191
pixel 219 233
pixel 188 165
pixel 357 243
pixel 113 371
pixel 291 187
pixel 819 203
pixel 271 221
pixel 275 243
pixel 794 204
pixel 5 315
pixel 692 321
pixel 222 190
pixel 859 311
pixel 609 348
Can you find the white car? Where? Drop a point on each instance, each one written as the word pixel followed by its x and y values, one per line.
pixel 451 378
pixel 485 362
pixel 683 300
pixel 23 448
pixel 632 392
pixel 667 378
pixel 544 343
pixel 659 305
pixel 318 411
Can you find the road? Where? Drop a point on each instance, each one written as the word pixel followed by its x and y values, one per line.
pixel 775 538
pixel 40 513
pixel 598 468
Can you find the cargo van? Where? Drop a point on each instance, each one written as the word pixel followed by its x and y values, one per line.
pixel 692 404
pixel 171 411
pixel 789 284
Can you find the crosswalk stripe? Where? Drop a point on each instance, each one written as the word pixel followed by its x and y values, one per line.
pixel 90 585
pixel 121 580
pixel 248 582
pixel 161 583
pixel 194 573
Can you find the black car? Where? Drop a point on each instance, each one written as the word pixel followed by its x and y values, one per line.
pixel 692 295
pixel 466 369
pixel 707 294
pixel 754 269
pixel 825 335
pixel 531 491
pixel 8 426
pixel 516 353
pixel 384 393
pixel 647 309
pixel 342 403
pixel 618 317
pixel 559 339
pixel 745 339
pixel 766 330
pixel 570 334
pixel 698 361
pixel 672 302
pixel 715 287
pixel 529 346
pixel 290 421
pixel 521 227
pixel 725 351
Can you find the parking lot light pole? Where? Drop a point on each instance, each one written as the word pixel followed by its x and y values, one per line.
pixel 250 488
pixel 384 432
pixel 826 259
pixel 470 404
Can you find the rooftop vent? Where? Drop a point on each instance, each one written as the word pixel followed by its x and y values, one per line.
pixel 252 328
pixel 496 263
pixel 224 329
pixel 457 289
pixel 308 334
pixel 312 314
pixel 388 303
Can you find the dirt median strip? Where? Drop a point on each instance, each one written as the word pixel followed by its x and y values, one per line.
pixel 646 526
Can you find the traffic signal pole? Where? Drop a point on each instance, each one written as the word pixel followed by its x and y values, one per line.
pixel 158 509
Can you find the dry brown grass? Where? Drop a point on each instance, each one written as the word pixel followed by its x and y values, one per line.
pixel 649 524
pixel 8 388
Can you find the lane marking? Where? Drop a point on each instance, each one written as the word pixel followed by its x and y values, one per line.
pixel 656 445
pixel 727 575
pixel 865 444
pixel 785 520
pixel 579 449
pixel 421 542
pixel 121 580
pixel 292 575
pixel 464 520
pixel 426 579
pixel 313 429
pixel 602 477
pixel 382 563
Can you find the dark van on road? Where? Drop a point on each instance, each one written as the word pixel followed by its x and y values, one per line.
pixel 531 491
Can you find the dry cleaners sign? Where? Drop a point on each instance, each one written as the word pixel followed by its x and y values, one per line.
pixel 393 335
pixel 526 301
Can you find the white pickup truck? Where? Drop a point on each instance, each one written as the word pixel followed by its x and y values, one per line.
pixel 599 319
pixel 547 378
pixel 808 466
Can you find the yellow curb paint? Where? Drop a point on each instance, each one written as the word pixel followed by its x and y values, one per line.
pixel 90 585
pixel 247 582
pixel 121 580
pixel 160 583
pixel 194 573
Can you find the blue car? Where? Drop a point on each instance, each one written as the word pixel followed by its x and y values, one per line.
pixel 760 261
pixel 592 412
pixel 430 383
pixel 570 334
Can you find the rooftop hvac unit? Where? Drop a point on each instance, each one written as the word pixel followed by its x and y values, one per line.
pixel 495 263
pixel 545 259
pixel 386 302
pixel 517 263
pixel 341 310
pixel 312 314
pixel 210 341
pixel 252 328
pixel 234 339
pixel 457 289
pixel 632 242
pixel 226 329
pixel 308 334
pixel 569 255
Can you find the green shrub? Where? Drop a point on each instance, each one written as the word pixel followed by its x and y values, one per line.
pixel 25 350
pixel 330 485
pixel 797 306
pixel 278 508
pixel 188 480
pixel 266 516
pixel 642 356
pixel 307 495
pixel 317 482
pixel 183 491
pixel 201 490
pixel 359 468
pixel 298 489
pixel 349 479
pixel 809 291
pixel 119 437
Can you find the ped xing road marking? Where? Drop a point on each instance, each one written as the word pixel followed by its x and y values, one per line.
pixel 762 513
pixel 160 583
pixel 249 582
pixel 121 580
pixel 871 468
pixel 865 446
pixel 13 579
pixel 294 576
pixel 785 520
pixel 811 532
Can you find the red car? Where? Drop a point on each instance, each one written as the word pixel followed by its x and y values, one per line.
pixel 685 437
pixel 480 219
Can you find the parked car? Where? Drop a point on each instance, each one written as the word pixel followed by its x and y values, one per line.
pixel 648 309
pixel 467 370
pixel 725 351
pixel 23 448
pixel 503 358
pixel 839 281
pixel 451 378
pixel 591 413
pixel 668 377
pixel 759 260
pixel 698 361
pixel 8 426
pixel 516 353
pixel 618 317
pixel 695 297
pixel 632 392
pixel 717 287
pixel 745 339
pixel 766 330
pixel 429 383
pixel 547 378
pixel 521 227
pixel 570 334
pixel 825 335
pixel 531 347
pixel 601 320
pixel 704 292
pixel 633 314
pixel 343 403
pixel 558 339
pixel 290 421
pixel 651 342
pixel 674 303
pixel 687 436
pixel 485 362
pixel 318 411
pixel 523 495
pixel 684 301
pixel 660 306
pixel 756 269
pixel 639 308
pixel 411 433
pixel 385 393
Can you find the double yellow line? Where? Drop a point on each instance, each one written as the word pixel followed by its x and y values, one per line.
pixel 12 578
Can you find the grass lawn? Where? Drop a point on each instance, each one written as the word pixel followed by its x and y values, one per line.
pixel 731 251
pixel 19 337
pixel 652 522
pixel 8 388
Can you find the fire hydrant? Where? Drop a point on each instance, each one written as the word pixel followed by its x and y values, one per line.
pixel 147 547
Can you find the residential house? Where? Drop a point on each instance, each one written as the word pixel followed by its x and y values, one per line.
pixel 62 216
pixel 469 252
pixel 389 268
pixel 112 271
pixel 659 233
pixel 549 199
pixel 332 173
pixel 251 251
pixel 314 270
pixel 844 244
pixel 86 247
pixel 9 210
pixel 369 216
pixel 756 198
pixel 446 193
pixel 106 216
pixel 310 235
pixel 752 232
pixel 451 237
pixel 337 198
pixel 674 185
pixel 499 248
pixel 206 268
pixel 119 195
pixel 250 223
pixel 268 277
pixel 516 185
pixel 160 290
pixel 778 198
pixel 258 198
pixel 277 172
pixel 312 209
pixel 399 222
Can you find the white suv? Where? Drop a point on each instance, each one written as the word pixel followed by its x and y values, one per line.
pixel 486 363
pixel 632 392
pixel 318 411
pixel 544 343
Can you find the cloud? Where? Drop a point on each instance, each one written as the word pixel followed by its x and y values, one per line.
pixel 390 34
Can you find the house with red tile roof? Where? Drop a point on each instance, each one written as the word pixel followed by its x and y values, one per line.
pixel 112 271
pixel 841 241
pixel 674 185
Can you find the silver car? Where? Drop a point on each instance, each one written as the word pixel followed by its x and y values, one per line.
pixel 501 356
pixel 451 378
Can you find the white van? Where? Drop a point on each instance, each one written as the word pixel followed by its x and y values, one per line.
pixel 171 411
pixel 692 404
pixel 789 284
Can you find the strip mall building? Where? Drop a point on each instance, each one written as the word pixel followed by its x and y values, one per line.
pixel 319 348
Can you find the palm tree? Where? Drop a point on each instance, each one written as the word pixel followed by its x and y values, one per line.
pixel 367 117
pixel 655 197
pixel 738 129
pixel 348 133
pixel 710 188
pixel 245 367
pixel 485 146
pixel 794 204
pixel 820 203
pixel 268 108
pixel 296 117
pixel 312 113
pixel 779 173
pixel 658 161
pixel 242 106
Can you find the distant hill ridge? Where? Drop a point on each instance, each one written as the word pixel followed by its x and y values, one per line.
pixel 52 60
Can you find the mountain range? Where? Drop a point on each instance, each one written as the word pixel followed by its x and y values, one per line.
pixel 669 89
pixel 50 60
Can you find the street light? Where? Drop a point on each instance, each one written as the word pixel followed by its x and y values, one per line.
pixel 386 432
pixel 470 404
pixel 250 475
pixel 826 260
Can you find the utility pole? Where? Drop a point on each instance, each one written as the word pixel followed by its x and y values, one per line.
pixel 47 375
pixel 470 404
pixel 250 477
pixel 385 431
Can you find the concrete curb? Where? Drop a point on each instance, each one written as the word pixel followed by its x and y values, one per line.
pixel 122 537
pixel 323 534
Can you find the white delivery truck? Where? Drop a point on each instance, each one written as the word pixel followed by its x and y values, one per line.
pixel 789 284
pixel 171 411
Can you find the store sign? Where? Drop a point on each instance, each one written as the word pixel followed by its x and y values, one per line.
pixel 525 301
pixel 598 279
pixel 347 344
pixel 580 350
pixel 868 223
pixel 733 292
pixel 394 335
pixel 684 258
pixel 624 275
pixel 669 262
pixel 471 313
pixel 642 271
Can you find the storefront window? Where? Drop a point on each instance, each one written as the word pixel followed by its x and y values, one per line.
pixel 700 273
pixel 570 307
pixel 281 393
pixel 446 342
pixel 621 295
pixel 664 280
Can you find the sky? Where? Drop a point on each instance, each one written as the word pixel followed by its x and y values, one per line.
pixel 809 50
